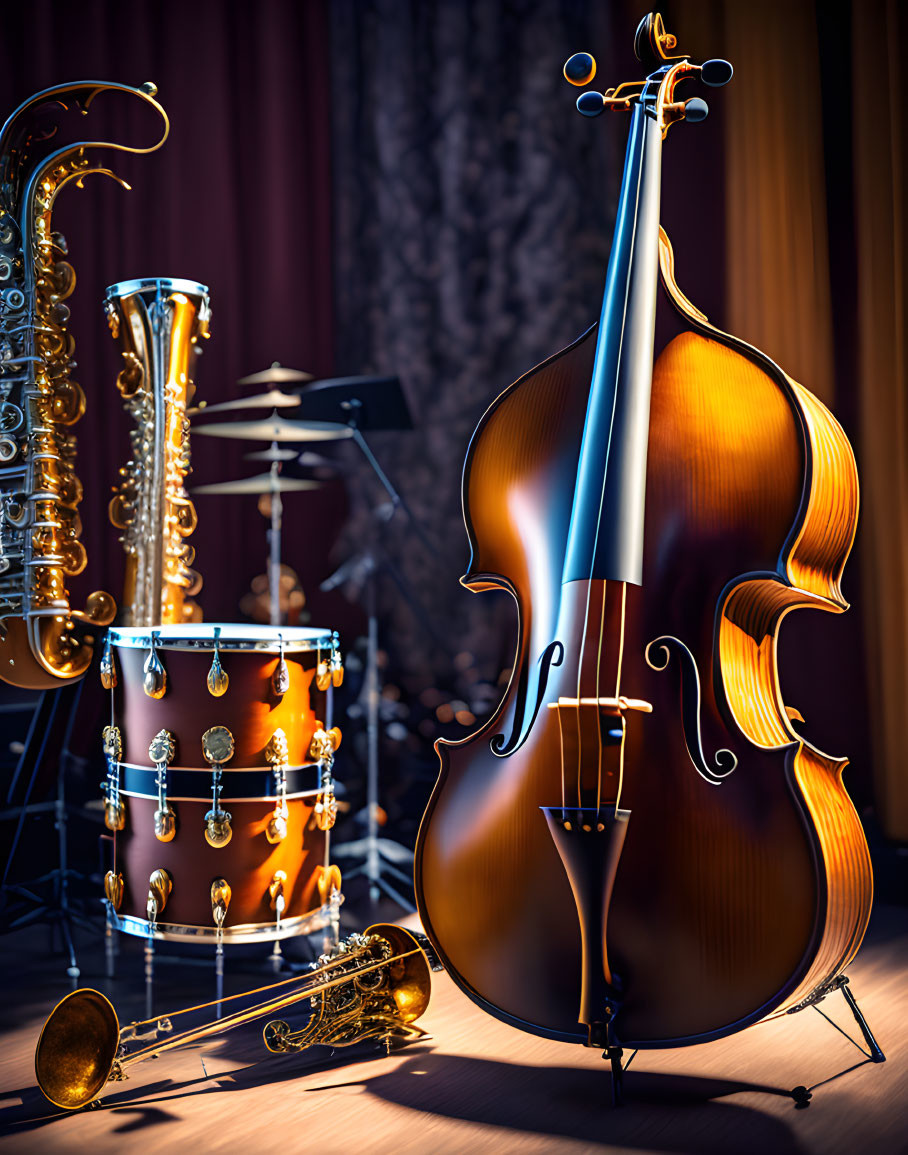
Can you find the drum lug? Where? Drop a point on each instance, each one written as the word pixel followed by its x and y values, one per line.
pixel 218 680
pixel 337 663
pixel 280 678
pixel 278 755
pixel 161 751
pixel 154 679
pixel 114 807
pixel 321 748
pixel 221 893
pixel 108 666
pixel 113 889
pixel 217 747
pixel 160 884
pixel 276 893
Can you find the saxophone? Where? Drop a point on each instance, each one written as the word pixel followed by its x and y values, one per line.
pixel 158 323
pixel 42 639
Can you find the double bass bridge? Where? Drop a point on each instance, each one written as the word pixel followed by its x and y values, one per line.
pixel 597 725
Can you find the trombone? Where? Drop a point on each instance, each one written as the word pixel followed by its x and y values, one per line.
pixel 373 985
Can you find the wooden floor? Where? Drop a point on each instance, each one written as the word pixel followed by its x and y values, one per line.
pixel 476 1086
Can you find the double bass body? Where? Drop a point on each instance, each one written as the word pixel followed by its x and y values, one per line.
pixel 741 877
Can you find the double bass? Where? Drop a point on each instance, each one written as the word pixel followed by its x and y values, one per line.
pixel 639 848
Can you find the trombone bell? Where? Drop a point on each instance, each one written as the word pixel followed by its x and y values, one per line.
pixel 410 978
pixel 77 1049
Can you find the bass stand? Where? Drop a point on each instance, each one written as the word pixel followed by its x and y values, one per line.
pixel 57 910
pixel 873 1053
pixel 615 1054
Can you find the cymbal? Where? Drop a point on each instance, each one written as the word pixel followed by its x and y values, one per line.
pixel 310 460
pixel 273 399
pixel 261 483
pixel 272 454
pixel 275 428
pixel 276 374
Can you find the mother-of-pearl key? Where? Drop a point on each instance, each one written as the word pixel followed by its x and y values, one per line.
pixel 217 747
pixel 161 751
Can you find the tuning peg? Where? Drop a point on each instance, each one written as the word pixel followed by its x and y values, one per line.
pixel 696 110
pixel 580 69
pixel 590 103
pixel 715 73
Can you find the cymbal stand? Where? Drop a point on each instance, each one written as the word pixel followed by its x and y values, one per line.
pixel 274 543
pixel 376 866
pixel 383 856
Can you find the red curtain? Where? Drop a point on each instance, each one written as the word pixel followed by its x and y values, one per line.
pixel 239 198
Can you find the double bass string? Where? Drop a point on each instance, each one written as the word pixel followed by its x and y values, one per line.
pixel 598 721
pixel 589 589
pixel 618 694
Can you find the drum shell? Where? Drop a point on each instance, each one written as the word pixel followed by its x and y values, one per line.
pixel 250 709
pixel 248 862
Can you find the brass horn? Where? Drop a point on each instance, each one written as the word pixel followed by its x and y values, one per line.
pixel 372 986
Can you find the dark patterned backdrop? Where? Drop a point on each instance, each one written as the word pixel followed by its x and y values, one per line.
pixel 473 211
pixel 473 216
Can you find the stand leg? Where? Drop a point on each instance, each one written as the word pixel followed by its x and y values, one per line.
pixel 615 1056
pixel 149 976
pixel 110 945
pixel 373 866
pixel 334 916
pixel 63 876
pixel 219 975
pixel 876 1054
pixel 873 1054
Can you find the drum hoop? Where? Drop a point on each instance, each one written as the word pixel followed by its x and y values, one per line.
pixel 155 285
pixel 269 798
pixel 206 770
pixel 247 932
pixel 293 640
pixel 301 781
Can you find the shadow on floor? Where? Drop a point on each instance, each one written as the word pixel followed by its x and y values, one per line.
pixel 677 1114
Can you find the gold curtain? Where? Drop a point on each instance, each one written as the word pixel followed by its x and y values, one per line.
pixel 778 278
pixel 878 39
pixel 777 271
